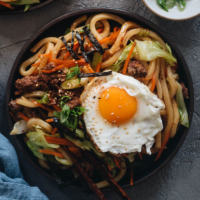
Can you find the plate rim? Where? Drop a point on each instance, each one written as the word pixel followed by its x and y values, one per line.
pixel 37 6
pixel 90 11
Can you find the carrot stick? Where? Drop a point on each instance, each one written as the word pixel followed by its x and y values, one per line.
pixel 40 105
pixel 162 147
pixel 35 73
pixel 100 30
pixel 75 151
pixel 35 64
pixel 50 57
pixel 13 116
pixel 54 131
pixel 90 68
pixel 117 162
pixel 53 70
pixel 43 55
pixel 98 67
pixel 140 155
pixel 17 93
pixel 51 153
pixel 131 180
pixel 56 107
pixel 6 5
pixel 128 59
pixel 66 55
pixel 49 120
pixel 23 116
pixel 153 83
pixel 62 141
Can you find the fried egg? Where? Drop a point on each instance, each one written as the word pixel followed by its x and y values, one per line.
pixel 122 114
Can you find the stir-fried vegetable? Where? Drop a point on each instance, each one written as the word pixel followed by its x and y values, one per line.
pixel 181 107
pixel 37 138
pixel 72 72
pixel 149 50
pixel 74 83
pixel 19 127
pixel 97 58
pixel 35 149
pixel 44 99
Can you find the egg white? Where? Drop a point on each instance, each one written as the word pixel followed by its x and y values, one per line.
pixel 130 136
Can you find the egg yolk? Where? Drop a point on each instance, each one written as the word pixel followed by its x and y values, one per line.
pixel 116 105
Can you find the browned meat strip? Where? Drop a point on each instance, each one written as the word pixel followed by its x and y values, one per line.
pixel 31 83
pixel 14 107
pixel 184 90
pixel 55 95
pixel 136 69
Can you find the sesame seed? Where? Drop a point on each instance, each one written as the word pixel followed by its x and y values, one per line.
pixel 117 117
pixel 93 101
pixel 92 128
pixel 127 132
pixel 113 136
pixel 117 78
pixel 36 85
pixel 94 97
pixel 117 137
pixel 138 129
pixel 93 124
pixel 106 141
pixel 133 123
pixel 147 103
pixel 96 134
pixel 125 149
pixel 114 121
pixel 112 113
pixel 95 131
pixel 97 109
pixel 105 120
pixel 96 122
pixel 100 132
pixel 107 89
pixel 125 128
pixel 99 98
pixel 93 118
pixel 101 129
pixel 120 106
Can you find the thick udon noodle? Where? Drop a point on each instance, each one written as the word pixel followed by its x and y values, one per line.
pixel 128 30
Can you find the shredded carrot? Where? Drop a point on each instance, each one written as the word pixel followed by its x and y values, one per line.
pixel 144 79
pixel 49 120
pixel 90 68
pixel 131 180
pixel 100 30
pixel 56 107
pixel 43 55
pixel 55 140
pixel 17 93
pixel 35 64
pixel 54 131
pixel 23 116
pixel 162 147
pixel 40 105
pixel 75 151
pixel 35 73
pixel 51 153
pixel 128 59
pixel 109 167
pixel 13 116
pixel 6 5
pixel 53 70
pixel 117 162
pixel 98 67
pixel 66 55
pixel 153 83
pixel 140 155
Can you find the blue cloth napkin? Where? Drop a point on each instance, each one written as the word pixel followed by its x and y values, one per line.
pixel 12 185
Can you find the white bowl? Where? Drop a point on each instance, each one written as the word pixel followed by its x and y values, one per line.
pixel 192 9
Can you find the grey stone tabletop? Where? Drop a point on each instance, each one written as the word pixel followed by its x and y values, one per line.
pixel 180 179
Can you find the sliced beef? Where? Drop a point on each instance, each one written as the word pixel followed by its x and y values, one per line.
pixel 184 90
pixel 74 95
pixel 14 107
pixel 136 69
pixel 32 83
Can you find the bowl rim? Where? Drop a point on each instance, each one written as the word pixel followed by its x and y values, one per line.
pixel 117 12
pixel 40 5
pixel 164 17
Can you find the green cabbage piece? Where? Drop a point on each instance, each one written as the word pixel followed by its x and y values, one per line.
pixel 181 107
pixel 38 139
pixel 97 58
pixel 35 149
pixel 150 50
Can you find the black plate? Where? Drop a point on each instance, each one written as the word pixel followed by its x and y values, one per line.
pixel 20 9
pixel 57 28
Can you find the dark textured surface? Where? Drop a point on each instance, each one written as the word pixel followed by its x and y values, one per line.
pixel 180 179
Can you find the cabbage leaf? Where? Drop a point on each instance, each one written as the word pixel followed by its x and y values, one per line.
pixel 150 50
